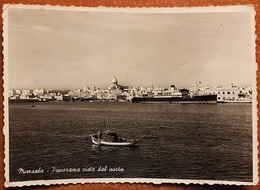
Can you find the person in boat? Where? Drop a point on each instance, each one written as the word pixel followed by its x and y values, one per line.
pixel 99 134
pixel 113 134
pixel 116 137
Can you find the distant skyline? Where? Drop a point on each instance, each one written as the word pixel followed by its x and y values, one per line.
pixel 71 49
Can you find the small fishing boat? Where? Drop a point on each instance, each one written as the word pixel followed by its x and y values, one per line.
pixel 98 140
pixel 120 142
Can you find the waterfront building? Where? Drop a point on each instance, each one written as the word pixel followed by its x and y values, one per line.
pixel 26 92
pixel 48 96
pixel 11 93
pixel 116 86
pixel 94 88
pixel 15 97
pixel 38 92
pixel 85 95
pixel 74 94
pixel 93 93
pixel 22 96
pixel 66 97
pixel 117 90
pixel 18 92
pixel 58 97
pixel 232 94
pixel 86 88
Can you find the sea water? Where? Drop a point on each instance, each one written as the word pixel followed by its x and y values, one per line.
pixel 177 141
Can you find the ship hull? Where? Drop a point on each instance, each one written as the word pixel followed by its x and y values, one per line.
pixel 204 99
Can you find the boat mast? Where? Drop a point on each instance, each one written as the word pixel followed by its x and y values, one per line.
pixel 107 124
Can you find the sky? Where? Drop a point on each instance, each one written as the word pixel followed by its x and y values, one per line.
pixel 72 49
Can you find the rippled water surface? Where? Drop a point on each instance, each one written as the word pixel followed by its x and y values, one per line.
pixel 181 141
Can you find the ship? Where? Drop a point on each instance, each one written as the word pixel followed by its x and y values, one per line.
pixel 182 97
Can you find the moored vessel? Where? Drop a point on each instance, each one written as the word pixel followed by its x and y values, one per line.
pixel 183 97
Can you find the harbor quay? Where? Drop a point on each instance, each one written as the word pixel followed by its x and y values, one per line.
pixel 117 92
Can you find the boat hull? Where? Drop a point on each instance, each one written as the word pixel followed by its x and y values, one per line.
pixel 107 143
pixel 234 101
pixel 203 99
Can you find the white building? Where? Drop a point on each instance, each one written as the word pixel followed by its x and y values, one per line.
pixel 26 92
pixel 58 96
pixel 232 94
pixel 38 92
pixel 18 92
pixel 11 93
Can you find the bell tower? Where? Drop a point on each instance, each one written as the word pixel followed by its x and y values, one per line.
pixel 114 81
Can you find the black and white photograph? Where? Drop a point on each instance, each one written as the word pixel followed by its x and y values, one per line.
pixel 116 95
